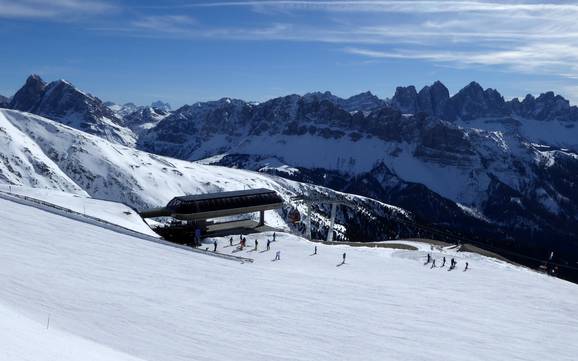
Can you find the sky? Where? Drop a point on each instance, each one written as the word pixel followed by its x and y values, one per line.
pixel 186 51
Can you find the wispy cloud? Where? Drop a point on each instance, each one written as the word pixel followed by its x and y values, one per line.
pixel 529 36
pixel 523 36
pixel 166 23
pixel 406 6
pixel 554 59
pixel 51 9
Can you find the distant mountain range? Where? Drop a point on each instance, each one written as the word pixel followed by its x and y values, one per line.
pixel 472 163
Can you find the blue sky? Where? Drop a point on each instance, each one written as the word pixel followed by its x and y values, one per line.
pixel 185 51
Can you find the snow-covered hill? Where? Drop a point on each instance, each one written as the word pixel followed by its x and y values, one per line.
pixel 38 152
pixel 72 290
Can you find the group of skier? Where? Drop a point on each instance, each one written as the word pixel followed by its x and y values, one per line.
pixel 243 243
pixel 453 263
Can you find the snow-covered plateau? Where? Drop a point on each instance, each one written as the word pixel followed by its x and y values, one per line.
pixel 73 290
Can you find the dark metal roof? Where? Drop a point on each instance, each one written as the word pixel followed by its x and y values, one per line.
pixel 223 200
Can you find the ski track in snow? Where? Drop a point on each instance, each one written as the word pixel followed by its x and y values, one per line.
pixel 114 297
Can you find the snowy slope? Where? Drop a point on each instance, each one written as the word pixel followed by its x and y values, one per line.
pixel 112 212
pixel 113 297
pixel 22 162
pixel 557 133
pixel 27 339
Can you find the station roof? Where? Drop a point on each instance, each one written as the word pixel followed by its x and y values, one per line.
pixel 258 199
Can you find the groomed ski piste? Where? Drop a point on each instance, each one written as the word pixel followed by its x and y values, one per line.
pixel 74 290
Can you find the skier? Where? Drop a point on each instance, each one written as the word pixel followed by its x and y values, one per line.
pixel 428 259
pixel 268 245
pixel 256 244
pixel 344 255
pixel 215 246
pixel 278 256
pixel 433 265
pixel 274 236
pixel 231 241
pixel 465 269
pixel 315 251
pixel 198 236
pixel 443 262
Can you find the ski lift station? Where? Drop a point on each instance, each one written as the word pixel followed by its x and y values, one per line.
pixel 192 213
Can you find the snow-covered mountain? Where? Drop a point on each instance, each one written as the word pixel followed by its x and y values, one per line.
pixel 73 290
pixel 473 162
pixel 363 102
pixel 164 106
pixel 497 185
pixel 548 119
pixel 122 110
pixel 61 101
pixel 145 118
pixel 42 153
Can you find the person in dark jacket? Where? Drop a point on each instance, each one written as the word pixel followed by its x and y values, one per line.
pixel 268 245
pixel 344 256
pixel 443 262
pixel 215 246
pixel 256 244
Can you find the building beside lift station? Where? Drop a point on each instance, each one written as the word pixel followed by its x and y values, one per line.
pixel 194 213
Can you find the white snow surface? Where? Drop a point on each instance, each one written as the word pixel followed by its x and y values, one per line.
pixel 114 297
pixel 112 212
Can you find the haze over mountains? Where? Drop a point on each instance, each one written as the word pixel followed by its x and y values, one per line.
pixel 474 163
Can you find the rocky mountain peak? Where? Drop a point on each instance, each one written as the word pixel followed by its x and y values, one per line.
pixel 63 102
pixel 474 102
pixel 164 106
pixel 29 95
pixel 547 106
pixel 432 99
pixel 405 99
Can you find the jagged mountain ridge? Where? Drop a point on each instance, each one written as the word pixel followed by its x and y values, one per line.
pixel 493 183
pixel 469 155
pixel 61 101
pixel 474 102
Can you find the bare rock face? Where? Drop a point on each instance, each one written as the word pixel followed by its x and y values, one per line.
pixel 433 99
pixel 547 106
pixel 29 95
pixel 405 100
pixel 474 102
